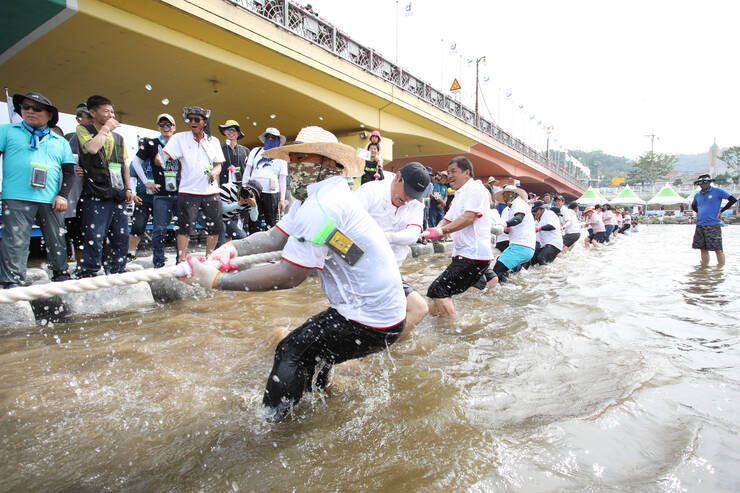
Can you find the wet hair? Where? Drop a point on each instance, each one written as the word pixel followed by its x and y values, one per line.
pixel 93 102
pixel 463 163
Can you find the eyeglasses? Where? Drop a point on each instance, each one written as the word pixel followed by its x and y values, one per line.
pixel 35 107
pixel 195 119
pixel 164 124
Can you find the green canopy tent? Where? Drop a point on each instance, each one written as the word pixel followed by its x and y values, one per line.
pixel 667 196
pixel 591 197
pixel 627 197
pixel 690 198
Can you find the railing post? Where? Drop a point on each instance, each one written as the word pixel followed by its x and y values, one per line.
pixel 334 39
pixel 372 59
pixel 285 13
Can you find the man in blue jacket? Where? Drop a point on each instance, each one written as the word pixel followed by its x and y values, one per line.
pixel 708 207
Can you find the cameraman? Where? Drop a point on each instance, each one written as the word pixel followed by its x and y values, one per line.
pixel 238 202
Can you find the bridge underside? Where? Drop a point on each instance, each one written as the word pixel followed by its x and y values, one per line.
pixel 212 54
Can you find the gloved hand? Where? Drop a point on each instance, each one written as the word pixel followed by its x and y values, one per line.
pixel 224 254
pixel 202 272
pixel 497 230
pixel 432 233
pixel 507 229
pixel 536 229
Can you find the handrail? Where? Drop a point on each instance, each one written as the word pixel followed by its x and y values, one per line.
pixel 297 20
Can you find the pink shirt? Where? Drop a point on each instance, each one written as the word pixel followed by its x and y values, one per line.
pixel 596 223
pixel 609 218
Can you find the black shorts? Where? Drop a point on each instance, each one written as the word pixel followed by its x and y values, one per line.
pixel 708 237
pixel 407 289
pixel 545 255
pixel 570 238
pixel 73 225
pixel 187 213
pixel 600 237
pixel 483 280
pixel 502 245
pixel 142 214
pixel 461 274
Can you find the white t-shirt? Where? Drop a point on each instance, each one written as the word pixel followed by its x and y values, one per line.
pixel 571 221
pixel 266 173
pixel 195 157
pixel 523 233
pixel 368 292
pixel 505 216
pixel 474 241
pixel 375 198
pixel 554 237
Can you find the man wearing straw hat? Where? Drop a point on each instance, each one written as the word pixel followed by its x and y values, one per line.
pixel 326 230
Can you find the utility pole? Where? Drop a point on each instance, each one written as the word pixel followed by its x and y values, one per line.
pixel 396 61
pixel 477 83
pixel 652 141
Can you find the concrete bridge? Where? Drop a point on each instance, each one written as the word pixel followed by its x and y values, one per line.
pixel 262 62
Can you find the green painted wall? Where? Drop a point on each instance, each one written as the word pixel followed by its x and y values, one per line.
pixel 20 17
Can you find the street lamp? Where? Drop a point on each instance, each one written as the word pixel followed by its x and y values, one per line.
pixel 477 84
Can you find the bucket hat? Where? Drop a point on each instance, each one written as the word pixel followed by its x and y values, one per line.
pixel 39 98
pixel 276 133
pixel 231 124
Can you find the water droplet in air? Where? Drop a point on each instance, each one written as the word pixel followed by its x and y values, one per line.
pixel 148 87
pixel 273 116
pixel 165 101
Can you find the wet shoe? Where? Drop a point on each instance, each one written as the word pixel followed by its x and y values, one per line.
pixel 130 257
pixel 81 274
pixel 60 276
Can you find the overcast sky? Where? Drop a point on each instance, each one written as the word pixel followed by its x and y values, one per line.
pixel 604 74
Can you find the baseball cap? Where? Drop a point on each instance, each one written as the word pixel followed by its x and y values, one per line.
pixel 416 182
pixel 428 169
pixel 81 108
pixel 166 116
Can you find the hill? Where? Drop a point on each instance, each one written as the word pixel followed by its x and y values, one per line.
pixel 601 164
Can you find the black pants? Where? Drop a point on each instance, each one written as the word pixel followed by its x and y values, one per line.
pixel 545 255
pixel 461 274
pixel 324 340
pixel 269 206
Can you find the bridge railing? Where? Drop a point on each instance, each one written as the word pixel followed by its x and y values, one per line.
pixel 310 27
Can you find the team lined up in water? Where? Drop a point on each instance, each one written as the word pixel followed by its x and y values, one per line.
pixel 357 240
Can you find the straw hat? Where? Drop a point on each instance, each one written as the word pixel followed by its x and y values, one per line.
pixel 316 140
pixel 231 124
pixel 588 210
pixel 499 196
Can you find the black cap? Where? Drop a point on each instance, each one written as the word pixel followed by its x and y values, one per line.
pixel 702 178
pixel 573 205
pixel 255 187
pixel 81 108
pixel 560 197
pixel 38 98
pixel 538 204
pixel 416 182
pixel 556 210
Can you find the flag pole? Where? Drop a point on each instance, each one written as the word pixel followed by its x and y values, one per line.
pixel 10 106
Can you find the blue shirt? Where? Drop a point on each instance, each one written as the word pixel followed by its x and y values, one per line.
pixel 19 159
pixel 709 205
pixel 442 189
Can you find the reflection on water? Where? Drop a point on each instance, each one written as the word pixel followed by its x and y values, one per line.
pixel 610 370
pixel 704 286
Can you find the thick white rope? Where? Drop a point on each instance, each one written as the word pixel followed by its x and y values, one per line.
pixel 47 290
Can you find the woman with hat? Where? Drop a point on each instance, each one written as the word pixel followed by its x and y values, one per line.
pixel 235 154
pixel 271 173
pixel 326 230
pixel 521 230
pixel 34 159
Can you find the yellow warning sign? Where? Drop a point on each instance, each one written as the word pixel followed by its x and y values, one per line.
pixel 455 86
pixel 617 180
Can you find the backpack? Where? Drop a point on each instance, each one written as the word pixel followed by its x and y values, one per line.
pixel 97 180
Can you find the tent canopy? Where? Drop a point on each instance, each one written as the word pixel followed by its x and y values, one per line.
pixel 627 197
pixel 591 197
pixel 667 196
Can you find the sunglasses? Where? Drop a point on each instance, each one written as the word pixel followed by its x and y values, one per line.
pixel 704 182
pixel 195 119
pixel 35 107
pixel 164 124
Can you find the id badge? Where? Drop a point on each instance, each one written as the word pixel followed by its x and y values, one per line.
pixel 116 178
pixel 38 174
pixel 170 181
pixel 343 246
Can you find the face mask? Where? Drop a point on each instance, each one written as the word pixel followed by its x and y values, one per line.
pixel 705 186
pixel 271 143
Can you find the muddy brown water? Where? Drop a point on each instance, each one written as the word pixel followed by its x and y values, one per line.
pixel 610 370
